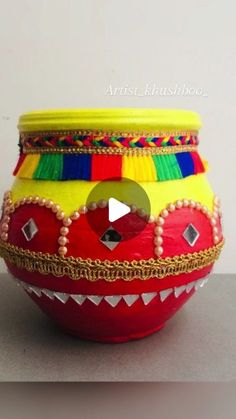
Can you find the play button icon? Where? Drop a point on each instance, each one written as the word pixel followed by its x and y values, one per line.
pixel 117 209
pixel 120 210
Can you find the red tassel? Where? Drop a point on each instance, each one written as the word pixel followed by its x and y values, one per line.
pixel 198 165
pixel 105 167
pixel 19 163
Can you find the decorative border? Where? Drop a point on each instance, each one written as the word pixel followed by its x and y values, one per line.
pixel 94 270
pixel 113 300
pixel 136 151
pixel 68 136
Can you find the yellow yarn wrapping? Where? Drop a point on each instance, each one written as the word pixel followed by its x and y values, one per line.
pixel 29 166
pixel 137 167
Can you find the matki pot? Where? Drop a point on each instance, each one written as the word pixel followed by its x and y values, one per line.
pixel 114 282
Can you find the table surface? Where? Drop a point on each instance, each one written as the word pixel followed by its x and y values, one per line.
pixel 198 344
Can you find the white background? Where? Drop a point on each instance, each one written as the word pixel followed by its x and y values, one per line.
pixel 66 53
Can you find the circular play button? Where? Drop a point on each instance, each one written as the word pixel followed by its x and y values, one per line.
pixel 119 210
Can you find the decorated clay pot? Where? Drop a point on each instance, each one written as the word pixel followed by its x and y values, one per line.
pixel 115 289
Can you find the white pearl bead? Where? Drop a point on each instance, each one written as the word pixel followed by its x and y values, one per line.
pixel 62 240
pixel 64 231
pixel 133 208
pixel 56 208
pixel 60 215
pixel 217 201
pixel 35 199
pixel 75 215
pixel 4 236
pixel 5 227
pixel 160 221
pixel 62 250
pixel 67 222
pixel 92 206
pixel 9 202
pixel 179 204
pixel 42 202
pixel 215 230
pixel 48 203
pixel 141 212
pixel 158 250
pixel 102 203
pixel 192 204
pixel 171 207
pixel 83 209
pixel 158 240
pixel 22 201
pixel 151 219
pixel 164 213
pixel 159 230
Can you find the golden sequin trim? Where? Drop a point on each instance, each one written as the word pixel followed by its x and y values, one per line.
pixel 94 270
pixel 29 134
pixel 145 151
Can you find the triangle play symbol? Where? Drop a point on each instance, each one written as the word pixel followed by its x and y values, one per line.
pixel 117 209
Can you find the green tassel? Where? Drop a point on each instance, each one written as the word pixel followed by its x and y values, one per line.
pixel 50 167
pixel 167 167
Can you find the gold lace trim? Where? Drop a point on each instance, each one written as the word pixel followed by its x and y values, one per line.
pixel 24 135
pixel 145 151
pixel 93 270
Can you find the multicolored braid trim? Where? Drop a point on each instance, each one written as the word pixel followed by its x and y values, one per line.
pixel 79 140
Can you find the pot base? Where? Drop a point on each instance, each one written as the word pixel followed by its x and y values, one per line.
pixel 114 339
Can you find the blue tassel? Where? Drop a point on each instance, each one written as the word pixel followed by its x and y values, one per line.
pixel 77 166
pixel 186 163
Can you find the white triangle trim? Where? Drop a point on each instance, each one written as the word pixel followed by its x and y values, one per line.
pixel 130 299
pixel 199 284
pixel 95 299
pixel 26 286
pixel 61 296
pixel 78 298
pixel 190 286
pixel 206 279
pixel 179 290
pixel 147 297
pixel 113 300
pixel 165 294
pixel 48 293
pixel 36 290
